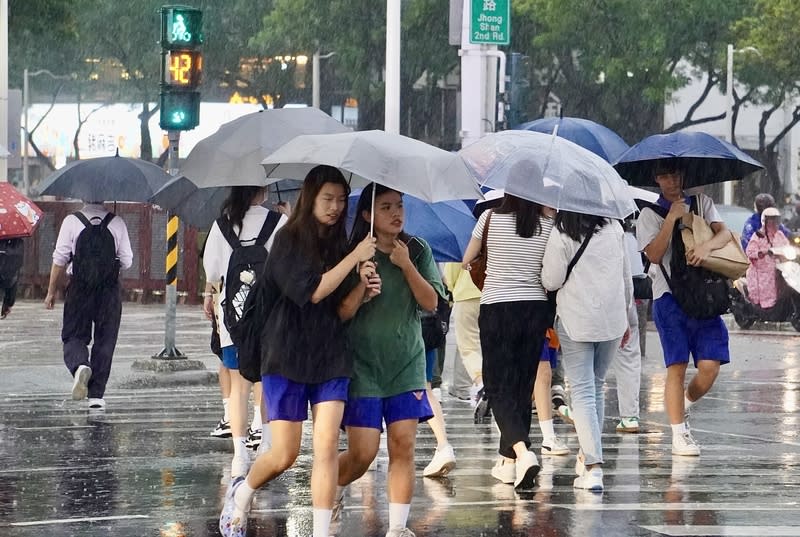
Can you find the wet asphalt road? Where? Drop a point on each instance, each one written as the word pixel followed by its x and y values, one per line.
pixel 147 466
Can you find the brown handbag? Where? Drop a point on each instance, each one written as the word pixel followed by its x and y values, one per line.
pixel 477 267
pixel 730 260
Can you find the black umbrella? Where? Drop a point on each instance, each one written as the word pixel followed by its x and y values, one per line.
pixel 703 158
pixel 106 179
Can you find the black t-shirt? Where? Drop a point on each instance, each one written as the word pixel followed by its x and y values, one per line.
pixel 303 341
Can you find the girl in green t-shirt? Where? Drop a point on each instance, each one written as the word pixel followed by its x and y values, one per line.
pixel 385 337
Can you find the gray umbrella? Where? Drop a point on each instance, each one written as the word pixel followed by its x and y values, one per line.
pixel 106 179
pixel 232 156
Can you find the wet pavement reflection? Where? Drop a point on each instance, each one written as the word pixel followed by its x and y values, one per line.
pixel 147 466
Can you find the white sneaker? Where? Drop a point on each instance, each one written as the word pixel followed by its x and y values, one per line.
pixel 684 444
pixel 97 403
pixel 400 532
pixel 442 462
pixel 553 447
pixel 80 384
pixel 527 468
pixel 240 465
pixel 590 480
pixel 504 471
pixel 437 393
pixel 475 392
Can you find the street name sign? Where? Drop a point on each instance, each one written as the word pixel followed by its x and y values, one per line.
pixel 490 22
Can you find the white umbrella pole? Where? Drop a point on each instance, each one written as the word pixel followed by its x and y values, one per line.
pixel 372 212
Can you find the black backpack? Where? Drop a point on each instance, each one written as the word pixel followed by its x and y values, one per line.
pixel 436 324
pixel 700 293
pixel 245 268
pixel 94 263
pixel 11 257
pixel 257 307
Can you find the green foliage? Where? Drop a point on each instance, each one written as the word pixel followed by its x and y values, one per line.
pixel 614 61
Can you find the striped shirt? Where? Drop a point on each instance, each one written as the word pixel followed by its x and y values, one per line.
pixel 514 265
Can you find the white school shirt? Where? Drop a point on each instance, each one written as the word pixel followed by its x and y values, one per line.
pixel 71 227
pixel 647 227
pixel 217 255
pixel 593 303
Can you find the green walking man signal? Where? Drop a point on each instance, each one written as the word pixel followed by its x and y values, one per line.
pixel 181 67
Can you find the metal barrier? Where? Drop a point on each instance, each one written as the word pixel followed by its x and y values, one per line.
pixel 145 280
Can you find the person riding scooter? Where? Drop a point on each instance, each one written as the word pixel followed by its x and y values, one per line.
pixel 762 284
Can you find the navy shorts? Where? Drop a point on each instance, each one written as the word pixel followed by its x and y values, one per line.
pixel 288 400
pixel 704 339
pixel 371 412
pixel 230 357
pixel 549 354
pixel 430 360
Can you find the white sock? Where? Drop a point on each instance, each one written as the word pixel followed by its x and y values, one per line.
pixel 547 429
pixel 322 522
pixel 686 403
pixel 225 415
pixel 678 429
pixel 256 423
pixel 238 446
pixel 244 497
pixel 398 515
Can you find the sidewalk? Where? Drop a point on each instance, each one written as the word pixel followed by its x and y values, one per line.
pixel 31 356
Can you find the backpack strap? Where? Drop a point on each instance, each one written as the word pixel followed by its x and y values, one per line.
pixel 226 227
pixel 82 217
pixel 268 228
pixel 107 220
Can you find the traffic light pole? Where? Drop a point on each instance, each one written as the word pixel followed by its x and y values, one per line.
pixel 170 351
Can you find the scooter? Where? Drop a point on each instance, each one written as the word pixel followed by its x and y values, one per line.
pixel 745 313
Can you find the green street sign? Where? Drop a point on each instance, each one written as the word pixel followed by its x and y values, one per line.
pixel 490 22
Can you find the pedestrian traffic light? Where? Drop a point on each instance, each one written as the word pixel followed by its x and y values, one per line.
pixel 518 88
pixel 180 110
pixel 181 67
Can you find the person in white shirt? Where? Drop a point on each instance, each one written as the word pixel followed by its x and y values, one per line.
pixel 245 213
pixel 628 365
pixel 93 298
pixel 592 306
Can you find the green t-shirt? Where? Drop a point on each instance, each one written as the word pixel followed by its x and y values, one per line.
pixel 385 336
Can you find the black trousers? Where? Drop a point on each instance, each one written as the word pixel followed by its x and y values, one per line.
pixel 512 335
pixel 91 314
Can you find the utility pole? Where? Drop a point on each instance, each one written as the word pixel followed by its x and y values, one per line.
pixel 392 77
pixel 3 86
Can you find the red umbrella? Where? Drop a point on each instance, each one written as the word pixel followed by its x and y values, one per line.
pixel 19 216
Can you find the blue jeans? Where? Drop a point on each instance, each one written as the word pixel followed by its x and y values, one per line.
pixel 585 367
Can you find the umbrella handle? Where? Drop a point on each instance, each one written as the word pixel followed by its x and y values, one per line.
pixel 372 212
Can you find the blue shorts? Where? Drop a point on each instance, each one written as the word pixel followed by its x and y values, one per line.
pixel 549 354
pixel 288 400
pixel 371 412
pixel 430 361
pixel 230 357
pixel 704 339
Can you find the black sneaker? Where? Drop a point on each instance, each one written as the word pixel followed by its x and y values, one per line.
pixel 253 439
pixel 222 430
pixel 483 413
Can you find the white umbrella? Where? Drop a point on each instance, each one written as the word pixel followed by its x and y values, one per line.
pixel 232 156
pixel 549 170
pixel 392 160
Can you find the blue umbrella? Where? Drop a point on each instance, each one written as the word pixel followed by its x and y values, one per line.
pixel 446 225
pixel 593 136
pixel 704 159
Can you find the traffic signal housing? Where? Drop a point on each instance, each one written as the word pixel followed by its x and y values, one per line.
pixel 181 67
